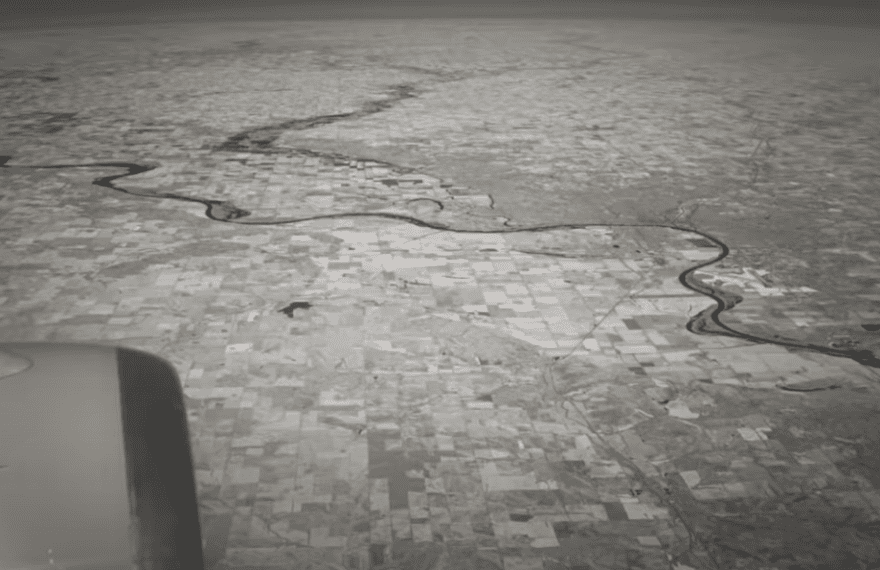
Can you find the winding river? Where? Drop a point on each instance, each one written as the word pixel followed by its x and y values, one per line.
pixel 260 140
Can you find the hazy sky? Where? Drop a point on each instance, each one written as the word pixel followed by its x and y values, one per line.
pixel 120 10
